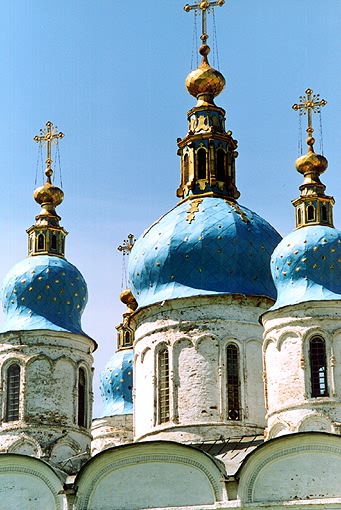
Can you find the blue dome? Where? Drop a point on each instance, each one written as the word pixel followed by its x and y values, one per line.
pixel 117 384
pixel 203 246
pixel 306 266
pixel 43 292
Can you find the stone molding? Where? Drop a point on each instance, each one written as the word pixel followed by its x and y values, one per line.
pixel 33 472
pixel 262 457
pixel 83 503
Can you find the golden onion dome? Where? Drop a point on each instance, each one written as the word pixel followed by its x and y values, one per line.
pixel 48 194
pixel 311 163
pixel 205 83
pixel 126 296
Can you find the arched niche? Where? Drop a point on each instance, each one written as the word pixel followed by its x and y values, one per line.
pixel 29 483
pixel 294 467
pixel 102 483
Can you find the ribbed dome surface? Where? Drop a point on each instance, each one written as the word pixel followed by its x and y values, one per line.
pixel 117 384
pixel 43 292
pixel 205 80
pixel 203 246
pixel 306 266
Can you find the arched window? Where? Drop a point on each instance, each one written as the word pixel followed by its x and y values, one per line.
pixel 318 367
pixel 13 393
pixel 41 242
pixel 201 164
pixel 324 215
pixel 120 338
pixel 232 376
pixel 186 169
pixel 127 339
pixel 81 398
pixel 53 242
pixel 299 216
pixel 163 385
pixel 220 168
pixel 31 243
pixel 311 212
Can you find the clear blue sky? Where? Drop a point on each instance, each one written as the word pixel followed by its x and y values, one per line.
pixel 111 76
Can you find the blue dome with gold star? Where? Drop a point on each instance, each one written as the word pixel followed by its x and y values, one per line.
pixel 43 292
pixel 116 384
pixel 203 246
pixel 306 266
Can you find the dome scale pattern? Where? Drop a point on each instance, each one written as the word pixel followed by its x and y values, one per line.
pixel 117 384
pixel 203 246
pixel 44 292
pixel 306 266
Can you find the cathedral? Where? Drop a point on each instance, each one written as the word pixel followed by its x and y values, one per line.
pixel 225 389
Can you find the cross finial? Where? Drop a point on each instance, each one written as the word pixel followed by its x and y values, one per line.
pixel 126 248
pixel 204 6
pixel 48 135
pixel 310 103
pixel 127 245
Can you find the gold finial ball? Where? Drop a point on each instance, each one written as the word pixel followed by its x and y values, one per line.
pixel 48 194
pixel 310 141
pixel 204 50
pixel 128 299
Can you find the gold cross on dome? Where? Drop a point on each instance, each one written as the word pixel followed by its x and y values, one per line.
pixel 204 6
pixel 310 103
pixel 48 135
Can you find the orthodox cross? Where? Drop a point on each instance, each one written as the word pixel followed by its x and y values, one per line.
pixel 310 103
pixel 127 245
pixel 48 135
pixel 125 248
pixel 204 6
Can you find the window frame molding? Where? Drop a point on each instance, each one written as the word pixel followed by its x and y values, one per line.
pixel 218 151
pixel 87 397
pixel 313 367
pixel 157 421
pixel 306 365
pixel 198 163
pixel 237 350
pixel 4 390
pixel 186 168
pixel 41 236
pixel 241 369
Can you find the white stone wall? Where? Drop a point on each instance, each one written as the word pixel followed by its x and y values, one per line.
pixel 288 331
pixel 30 484
pixel 111 431
pixel 294 471
pixel 48 413
pixel 197 331
pixel 151 475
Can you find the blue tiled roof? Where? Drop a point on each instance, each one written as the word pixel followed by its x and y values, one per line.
pixel 306 266
pixel 43 292
pixel 203 246
pixel 117 384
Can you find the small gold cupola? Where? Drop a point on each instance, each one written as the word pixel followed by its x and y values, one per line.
pixel 125 334
pixel 312 207
pixel 207 152
pixel 47 237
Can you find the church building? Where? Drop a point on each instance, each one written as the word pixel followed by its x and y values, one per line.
pixel 225 389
